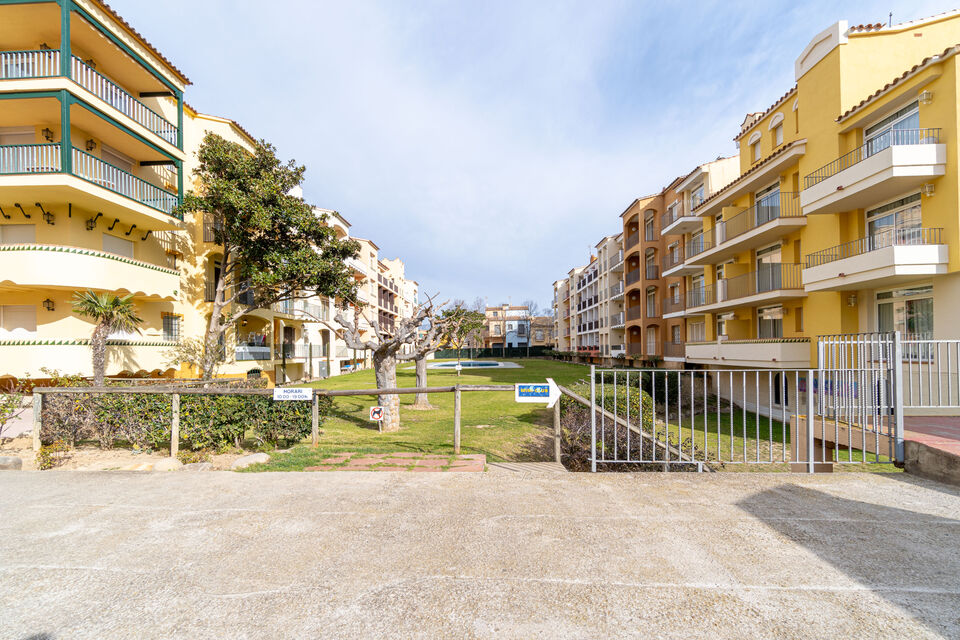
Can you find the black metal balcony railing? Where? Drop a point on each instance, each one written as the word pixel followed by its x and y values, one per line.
pixel 616 290
pixel 674 349
pixel 893 137
pixel 698 245
pixel 769 277
pixel 672 258
pixel 673 304
pixel 212 226
pixel 616 320
pixel 651 272
pixel 671 216
pixel 633 276
pixel 635 312
pixel 881 240
pixel 787 205
pixel 632 240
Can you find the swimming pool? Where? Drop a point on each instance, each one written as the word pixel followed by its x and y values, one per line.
pixel 474 364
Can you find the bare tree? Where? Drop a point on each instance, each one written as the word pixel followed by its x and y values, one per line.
pixel 386 351
pixel 533 309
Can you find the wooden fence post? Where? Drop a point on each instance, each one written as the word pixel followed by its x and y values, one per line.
pixel 556 431
pixel 37 411
pixel 315 420
pixel 456 419
pixel 174 425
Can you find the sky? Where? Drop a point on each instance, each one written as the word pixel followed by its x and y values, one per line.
pixel 491 144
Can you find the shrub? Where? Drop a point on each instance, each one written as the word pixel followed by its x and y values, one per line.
pixel 142 419
pixel 11 404
pixel 190 457
pixel 51 455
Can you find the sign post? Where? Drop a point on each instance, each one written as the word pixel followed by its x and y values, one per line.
pixel 537 392
pixel 376 415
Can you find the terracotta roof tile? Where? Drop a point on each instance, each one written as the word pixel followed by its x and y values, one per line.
pixel 116 16
pixel 929 60
pixel 759 116
pixel 778 152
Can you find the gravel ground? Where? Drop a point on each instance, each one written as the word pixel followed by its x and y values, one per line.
pixel 513 555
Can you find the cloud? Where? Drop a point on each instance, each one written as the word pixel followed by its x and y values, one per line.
pixel 488 144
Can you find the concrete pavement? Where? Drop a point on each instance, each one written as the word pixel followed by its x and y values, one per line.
pixel 512 555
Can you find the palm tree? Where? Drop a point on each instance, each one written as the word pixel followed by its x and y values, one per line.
pixel 111 313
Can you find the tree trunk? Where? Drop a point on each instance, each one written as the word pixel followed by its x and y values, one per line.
pixel 458 361
pixel 98 345
pixel 211 341
pixel 385 369
pixel 422 400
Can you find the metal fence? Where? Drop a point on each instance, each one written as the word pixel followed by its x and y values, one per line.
pixel 806 419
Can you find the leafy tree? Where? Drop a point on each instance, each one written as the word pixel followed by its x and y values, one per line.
pixel 111 313
pixel 459 323
pixel 275 247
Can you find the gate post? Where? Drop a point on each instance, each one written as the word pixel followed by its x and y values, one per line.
pixel 810 420
pixel 593 418
pixel 896 372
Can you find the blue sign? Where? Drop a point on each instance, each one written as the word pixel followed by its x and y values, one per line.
pixel 533 390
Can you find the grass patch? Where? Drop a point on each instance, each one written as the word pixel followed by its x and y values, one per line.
pixel 491 422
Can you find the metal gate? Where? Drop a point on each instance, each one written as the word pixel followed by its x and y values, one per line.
pixel 710 418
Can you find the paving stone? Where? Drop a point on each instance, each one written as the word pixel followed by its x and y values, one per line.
pixel 321 468
pixel 366 460
pixel 424 469
pixel 470 468
pixel 335 460
pixel 432 463
pixel 406 454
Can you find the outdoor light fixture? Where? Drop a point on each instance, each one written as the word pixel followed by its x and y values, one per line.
pixel 48 305
pixel 92 222
pixel 91 144
pixel 925 97
pixel 852 300
pixel 48 217
pixel 47 134
pixel 927 189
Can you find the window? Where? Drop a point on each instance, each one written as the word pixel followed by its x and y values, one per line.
pixel 17 135
pixel 778 135
pixel 896 222
pixel 171 328
pixel 768 204
pixel 652 303
pixel 696 196
pixel 521 329
pixel 909 311
pixel 781 388
pixel 18 233
pixel 769 273
pixel 798 319
pixel 755 150
pixel 496 329
pixel 119 246
pixel 722 328
pixel 675 336
pixel 18 321
pixel 117 159
pixel 903 127
pixel 695 295
pixel 648 230
pixel 770 322
pixel 651 341
pixel 697 331
pixel 539 335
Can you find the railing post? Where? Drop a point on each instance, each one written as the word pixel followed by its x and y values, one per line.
pixel 896 372
pixel 37 419
pixel 556 431
pixel 593 418
pixel 174 425
pixel 810 421
pixel 315 420
pixel 456 419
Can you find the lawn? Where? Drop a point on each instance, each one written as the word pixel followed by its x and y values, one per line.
pixel 491 422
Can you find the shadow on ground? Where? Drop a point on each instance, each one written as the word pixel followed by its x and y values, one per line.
pixel 913 566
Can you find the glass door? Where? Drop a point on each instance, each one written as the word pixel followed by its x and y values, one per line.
pixel 768 269
pixel 903 127
pixel 897 222
pixel 768 204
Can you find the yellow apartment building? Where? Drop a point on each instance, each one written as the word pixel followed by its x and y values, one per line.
pixel 96 149
pixel 844 215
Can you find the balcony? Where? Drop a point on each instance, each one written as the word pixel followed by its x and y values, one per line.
pixel 632 276
pixel 146 355
pixel 892 163
pixel 244 352
pixel 635 312
pixel 39 166
pixel 679 221
pixel 891 257
pixel 761 224
pixel 674 351
pixel 783 353
pixel 107 95
pixel 632 240
pixel 615 263
pixel 674 307
pixel 673 264
pixel 75 268
pixel 616 320
pixel 290 351
pixel 616 291
pixel 774 282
